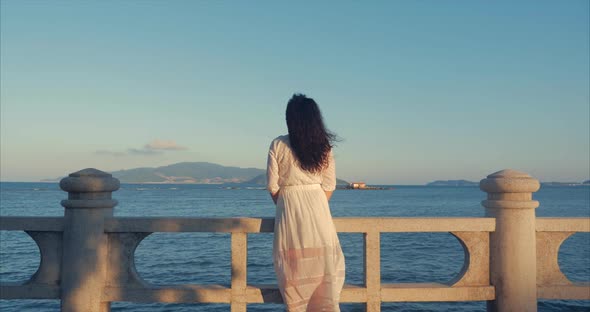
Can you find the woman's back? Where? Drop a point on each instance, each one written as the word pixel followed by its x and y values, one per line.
pixel 284 169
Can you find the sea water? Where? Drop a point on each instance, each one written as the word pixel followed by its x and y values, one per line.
pixel 204 258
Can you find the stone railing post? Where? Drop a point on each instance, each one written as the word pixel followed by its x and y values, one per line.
pixel 513 255
pixel 84 259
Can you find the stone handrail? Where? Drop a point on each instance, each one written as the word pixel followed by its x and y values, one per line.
pixel 510 255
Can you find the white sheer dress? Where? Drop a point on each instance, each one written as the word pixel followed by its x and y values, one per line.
pixel 307 256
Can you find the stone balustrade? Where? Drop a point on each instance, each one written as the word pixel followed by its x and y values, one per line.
pixel 87 256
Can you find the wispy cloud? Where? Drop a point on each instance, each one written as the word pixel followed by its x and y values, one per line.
pixel 164 145
pixel 142 151
pixel 110 153
pixel 155 147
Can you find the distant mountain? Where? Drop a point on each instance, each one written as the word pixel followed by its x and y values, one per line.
pixel 452 183
pixel 341 182
pixel 471 183
pixel 565 183
pixel 261 180
pixel 188 172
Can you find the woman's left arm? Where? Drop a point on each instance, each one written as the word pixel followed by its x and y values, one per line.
pixel 329 177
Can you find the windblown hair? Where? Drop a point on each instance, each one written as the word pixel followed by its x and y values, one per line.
pixel 310 140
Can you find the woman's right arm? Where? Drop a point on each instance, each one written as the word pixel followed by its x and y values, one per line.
pixel 274 197
pixel 272 174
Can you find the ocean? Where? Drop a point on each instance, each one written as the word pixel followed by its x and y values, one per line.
pixel 204 258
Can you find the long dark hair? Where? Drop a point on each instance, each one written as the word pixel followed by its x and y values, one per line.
pixel 310 140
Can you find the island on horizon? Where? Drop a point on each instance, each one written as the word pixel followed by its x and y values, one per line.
pixel 191 173
pixel 211 173
pixel 462 183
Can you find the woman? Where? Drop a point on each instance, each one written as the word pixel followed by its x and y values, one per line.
pixel 301 176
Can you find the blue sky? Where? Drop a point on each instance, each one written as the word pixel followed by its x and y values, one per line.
pixel 417 90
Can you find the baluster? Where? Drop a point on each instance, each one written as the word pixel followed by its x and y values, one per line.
pixel 513 255
pixel 85 245
pixel 372 270
pixel 239 273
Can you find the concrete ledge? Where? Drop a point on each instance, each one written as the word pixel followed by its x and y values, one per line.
pixel 164 224
pixel 389 293
pixel 577 291
pixel 29 291
pixel 418 224
pixel 177 293
pixel 266 225
pixel 434 292
pixel 47 224
pixel 213 294
pixel 270 293
pixel 581 224
pixel 266 293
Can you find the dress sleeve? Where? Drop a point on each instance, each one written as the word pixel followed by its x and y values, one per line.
pixel 272 171
pixel 329 174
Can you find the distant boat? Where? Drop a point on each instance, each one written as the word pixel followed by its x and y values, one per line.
pixel 363 186
pixel 357 185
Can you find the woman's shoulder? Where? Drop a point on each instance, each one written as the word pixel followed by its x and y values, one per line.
pixel 279 142
pixel 284 139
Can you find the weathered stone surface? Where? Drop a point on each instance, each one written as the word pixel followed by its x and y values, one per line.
pixel 89 180
pixel 9 291
pixel 85 244
pixel 579 224
pixel 177 293
pixel 50 248
pixel 509 204
pixel 266 225
pixel 124 284
pixel 513 244
pixel 121 260
pixel 239 268
pixel 45 224
pixel 476 266
pixel 548 271
pixel 420 292
pixel 88 204
pixel 576 291
pixel 372 270
pixel 98 252
pixel 509 181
